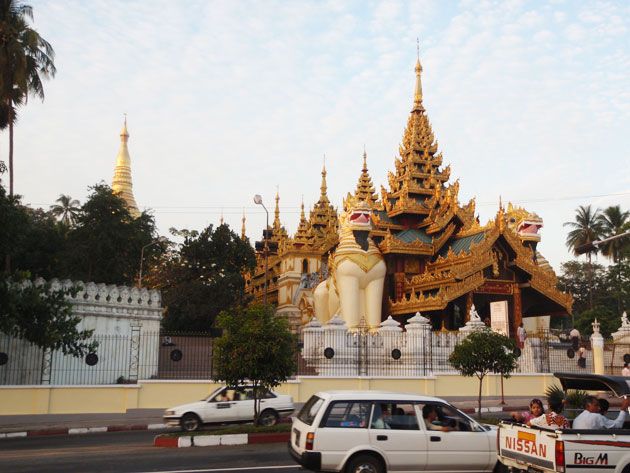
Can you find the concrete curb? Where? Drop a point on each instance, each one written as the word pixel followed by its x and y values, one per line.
pixel 185 441
pixel 82 430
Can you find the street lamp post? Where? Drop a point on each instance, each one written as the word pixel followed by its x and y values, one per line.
pixel 258 201
pixel 154 242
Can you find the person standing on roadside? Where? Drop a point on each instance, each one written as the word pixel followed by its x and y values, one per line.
pixel 521 334
pixel 574 334
pixel 626 370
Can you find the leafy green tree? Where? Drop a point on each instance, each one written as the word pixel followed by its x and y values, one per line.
pixel 66 210
pixel 256 348
pixel 614 221
pixel 484 352
pixel 25 60
pixel 585 228
pixel 202 278
pixel 41 316
pixel 106 243
pixel 610 292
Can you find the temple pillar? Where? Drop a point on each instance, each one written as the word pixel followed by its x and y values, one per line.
pixel 399 285
pixel 469 303
pixel 518 308
pixel 597 345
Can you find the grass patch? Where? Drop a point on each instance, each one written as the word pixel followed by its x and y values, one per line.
pixel 234 429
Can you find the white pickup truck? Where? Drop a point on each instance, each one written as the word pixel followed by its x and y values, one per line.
pixel 522 448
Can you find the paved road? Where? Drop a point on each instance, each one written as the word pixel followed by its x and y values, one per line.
pixel 133 452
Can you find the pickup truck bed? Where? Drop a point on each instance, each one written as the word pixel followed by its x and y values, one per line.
pixel 581 451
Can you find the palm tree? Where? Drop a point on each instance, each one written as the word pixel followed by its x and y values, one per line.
pixel 613 222
pixel 66 210
pixel 585 228
pixel 25 59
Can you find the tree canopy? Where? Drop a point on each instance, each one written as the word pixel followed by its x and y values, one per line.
pixel 484 352
pixel 25 60
pixel 202 278
pixel 106 243
pixel 256 347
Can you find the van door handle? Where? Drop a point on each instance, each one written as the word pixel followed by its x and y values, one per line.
pixel 436 439
pixel 381 437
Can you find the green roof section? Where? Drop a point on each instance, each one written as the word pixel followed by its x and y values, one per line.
pixel 462 244
pixel 410 235
pixel 384 217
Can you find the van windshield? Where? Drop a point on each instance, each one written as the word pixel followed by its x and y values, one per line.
pixel 310 409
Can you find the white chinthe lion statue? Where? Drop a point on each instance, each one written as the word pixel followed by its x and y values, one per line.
pixel 357 270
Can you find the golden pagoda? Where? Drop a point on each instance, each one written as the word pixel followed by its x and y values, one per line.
pixel 439 259
pixel 122 184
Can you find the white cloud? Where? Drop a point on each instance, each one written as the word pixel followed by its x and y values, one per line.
pixel 228 99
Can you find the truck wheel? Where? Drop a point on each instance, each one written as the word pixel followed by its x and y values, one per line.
pixel 501 468
pixel 268 417
pixel 365 464
pixel 190 422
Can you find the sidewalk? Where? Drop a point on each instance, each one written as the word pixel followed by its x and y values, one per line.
pixel 151 419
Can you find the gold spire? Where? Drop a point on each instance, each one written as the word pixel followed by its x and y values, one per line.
pixel 243 236
pixel 417 98
pixel 302 234
pixel 323 196
pixel 365 187
pixel 276 220
pixel 121 183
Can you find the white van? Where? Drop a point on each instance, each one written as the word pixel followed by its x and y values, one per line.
pixel 376 432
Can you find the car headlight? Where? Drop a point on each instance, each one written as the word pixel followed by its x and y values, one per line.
pixel 169 413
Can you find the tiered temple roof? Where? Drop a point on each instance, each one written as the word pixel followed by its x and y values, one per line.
pixel 436 251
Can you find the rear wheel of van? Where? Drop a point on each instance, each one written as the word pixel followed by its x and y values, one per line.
pixel 365 464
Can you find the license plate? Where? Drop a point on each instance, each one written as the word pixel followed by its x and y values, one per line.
pixel 297 437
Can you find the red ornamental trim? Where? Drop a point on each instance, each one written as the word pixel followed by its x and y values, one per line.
pixel 495 288
pixel 608 443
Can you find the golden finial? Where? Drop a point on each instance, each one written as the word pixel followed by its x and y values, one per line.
pixel 276 220
pixel 124 134
pixel 324 187
pixel 417 99
pixel 243 226
pixel 364 160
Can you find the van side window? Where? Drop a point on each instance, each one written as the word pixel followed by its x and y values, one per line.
pixel 395 416
pixel 347 415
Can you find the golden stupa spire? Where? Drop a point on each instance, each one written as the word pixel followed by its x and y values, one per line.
pixel 121 183
pixel 323 196
pixel 302 234
pixel 417 96
pixel 365 187
pixel 243 236
pixel 276 220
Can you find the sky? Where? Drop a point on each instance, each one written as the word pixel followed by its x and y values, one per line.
pixel 530 103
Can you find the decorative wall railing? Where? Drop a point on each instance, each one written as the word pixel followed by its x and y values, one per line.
pixel 333 350
pixel 123 358
pixel 327 351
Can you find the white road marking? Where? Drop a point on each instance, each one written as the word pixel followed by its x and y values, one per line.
pixel 247 468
